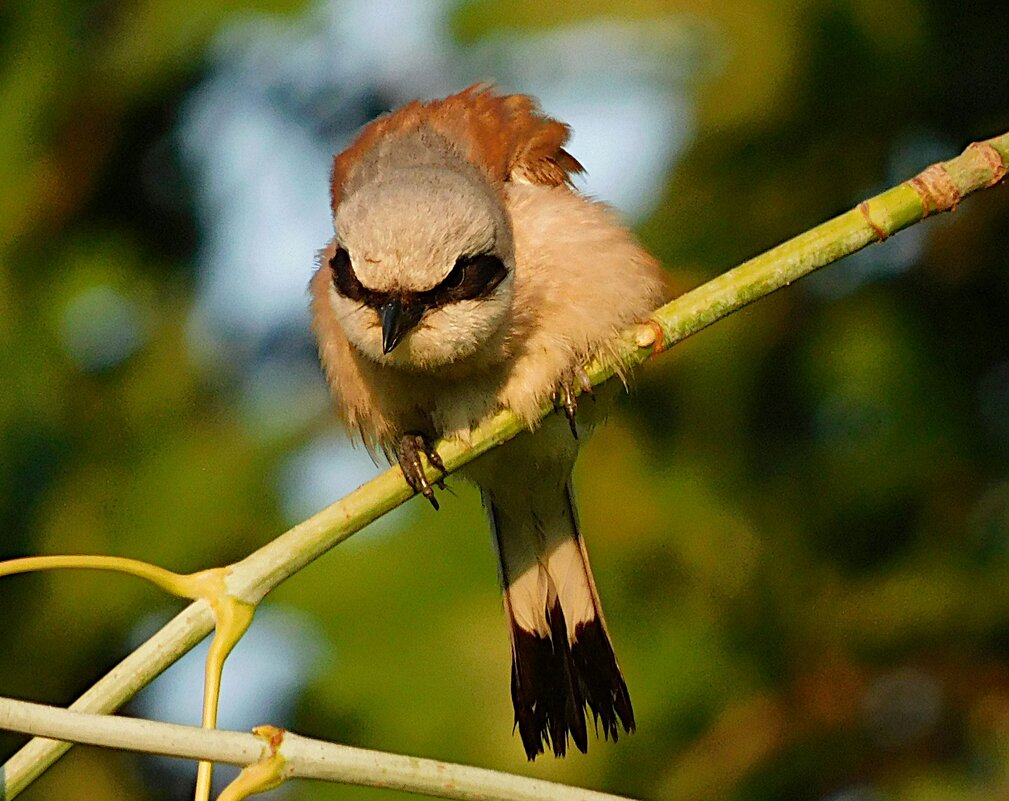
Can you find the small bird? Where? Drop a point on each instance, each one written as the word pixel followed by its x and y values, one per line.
pixel 467 275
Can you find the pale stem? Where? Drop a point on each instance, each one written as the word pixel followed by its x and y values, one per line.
pixel 302 757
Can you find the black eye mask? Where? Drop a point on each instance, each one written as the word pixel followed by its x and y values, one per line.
pixel 472 278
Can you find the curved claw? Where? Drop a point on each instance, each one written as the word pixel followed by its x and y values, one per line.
pixel 411 446
pixel 565 396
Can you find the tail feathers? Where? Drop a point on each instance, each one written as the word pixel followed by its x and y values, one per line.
pixel 602 684
pixel 552 682
pixel 546 692
pixel 562 658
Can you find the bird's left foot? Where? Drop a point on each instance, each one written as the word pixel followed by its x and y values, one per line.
pixel 564 395
pixel 411 446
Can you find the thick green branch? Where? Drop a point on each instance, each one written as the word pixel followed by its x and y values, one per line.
pixel 938 188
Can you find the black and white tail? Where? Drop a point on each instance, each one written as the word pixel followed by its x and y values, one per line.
pixel 562 658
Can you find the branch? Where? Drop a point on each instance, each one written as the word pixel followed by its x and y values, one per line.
pixel 294 756
pixel 938 188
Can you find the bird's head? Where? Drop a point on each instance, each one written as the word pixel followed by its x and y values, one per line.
pixel 421 266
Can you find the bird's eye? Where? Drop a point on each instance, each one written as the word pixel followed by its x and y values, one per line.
pixel 455 278
pixel 471 277
pixel 344 280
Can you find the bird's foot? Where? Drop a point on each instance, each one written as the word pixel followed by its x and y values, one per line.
pixel 411 446
pixel 564 395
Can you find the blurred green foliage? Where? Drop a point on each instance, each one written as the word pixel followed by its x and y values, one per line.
pixel 799 520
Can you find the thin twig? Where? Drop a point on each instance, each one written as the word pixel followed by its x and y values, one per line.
pixel 939 188
pixel 302 757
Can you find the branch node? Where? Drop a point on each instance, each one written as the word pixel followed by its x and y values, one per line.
pixel 266 774
pixel 935 189
pixel 863 207
pixel 992 158
pixel 273 735
pixel 650 334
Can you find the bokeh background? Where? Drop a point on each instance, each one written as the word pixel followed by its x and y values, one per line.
pixel 799 519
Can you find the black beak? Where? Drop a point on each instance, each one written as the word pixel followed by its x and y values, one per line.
pixel 397 320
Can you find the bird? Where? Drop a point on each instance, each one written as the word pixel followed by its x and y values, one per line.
pixel 467 275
